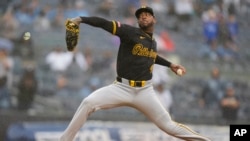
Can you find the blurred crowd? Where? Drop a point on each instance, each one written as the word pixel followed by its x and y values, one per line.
pixel 38 79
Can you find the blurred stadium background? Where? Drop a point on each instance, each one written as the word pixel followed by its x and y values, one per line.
pixel 38 99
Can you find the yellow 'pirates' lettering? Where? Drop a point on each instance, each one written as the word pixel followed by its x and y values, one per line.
pixel 137 49
pixel 143 51
pixel 152 54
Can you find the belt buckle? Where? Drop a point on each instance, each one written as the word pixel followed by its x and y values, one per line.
pixel 133 83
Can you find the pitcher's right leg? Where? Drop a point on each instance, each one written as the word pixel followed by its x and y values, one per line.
pixel 83 111
pixel 107 97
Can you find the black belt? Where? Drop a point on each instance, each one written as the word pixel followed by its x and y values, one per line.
pixel 131 83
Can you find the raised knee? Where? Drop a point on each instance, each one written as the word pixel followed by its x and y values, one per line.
pixel 90 105
pixel 86 102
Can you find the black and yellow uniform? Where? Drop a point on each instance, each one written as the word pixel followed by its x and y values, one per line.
pixel 137 55
pixel 137 50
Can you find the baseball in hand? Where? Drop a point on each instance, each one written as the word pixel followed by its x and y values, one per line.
pixel 180 72
pixel 26 36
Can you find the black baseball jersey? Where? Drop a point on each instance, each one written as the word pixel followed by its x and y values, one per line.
pixel 137 52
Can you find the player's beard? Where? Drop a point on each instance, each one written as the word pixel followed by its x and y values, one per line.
pixel 146 26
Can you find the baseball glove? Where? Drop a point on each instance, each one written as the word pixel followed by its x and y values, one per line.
pixel 72 34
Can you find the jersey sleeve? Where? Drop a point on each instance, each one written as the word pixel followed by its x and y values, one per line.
pixel 161 61
pixel 113 27
pixel 99 22
pixel 123 31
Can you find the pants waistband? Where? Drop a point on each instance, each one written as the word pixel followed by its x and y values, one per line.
pixel 133 83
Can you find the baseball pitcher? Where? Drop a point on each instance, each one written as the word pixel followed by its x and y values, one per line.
pixel 133 87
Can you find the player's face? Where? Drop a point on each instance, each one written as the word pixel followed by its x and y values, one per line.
pixel 146 20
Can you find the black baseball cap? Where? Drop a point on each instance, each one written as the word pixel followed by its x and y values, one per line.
pixel 144 9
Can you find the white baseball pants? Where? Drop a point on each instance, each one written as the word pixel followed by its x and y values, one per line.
pixel 143 99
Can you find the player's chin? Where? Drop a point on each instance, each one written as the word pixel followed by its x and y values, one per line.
pixel 143 26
